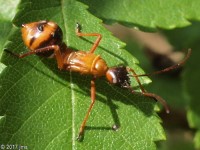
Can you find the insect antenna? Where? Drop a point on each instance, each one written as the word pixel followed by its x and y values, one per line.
pixel 147 94
pixel 168 68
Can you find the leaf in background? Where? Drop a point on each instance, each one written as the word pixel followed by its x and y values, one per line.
pixel 5 23
pixel 43 107
pixel 174 98
pixel 172 90
pixel 189 37
pixel 8 9
pixel 192 79
pixel 5 28
pixel 151 14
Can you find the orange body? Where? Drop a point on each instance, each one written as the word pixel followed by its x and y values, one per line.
pixel 86 63
pixel 45 36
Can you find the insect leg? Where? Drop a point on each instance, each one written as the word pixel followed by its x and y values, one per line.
pixel 93 95
pixel 55 48
pixel 96 43
pixel 147 94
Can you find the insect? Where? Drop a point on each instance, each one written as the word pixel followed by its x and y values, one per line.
pixel 44 38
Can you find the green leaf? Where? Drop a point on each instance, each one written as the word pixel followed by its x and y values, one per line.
pixel 8 9
pixel 174 98
pixel 151 14
pixel 189 37
pixel 197 139
pixel 192 78
pixel 5 23
pixel 43 107
pixel 4 31
pixel 5 28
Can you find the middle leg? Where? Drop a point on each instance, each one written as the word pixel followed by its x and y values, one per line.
pixel 95 44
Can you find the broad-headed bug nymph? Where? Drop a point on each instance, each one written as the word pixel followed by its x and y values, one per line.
pixel 45 38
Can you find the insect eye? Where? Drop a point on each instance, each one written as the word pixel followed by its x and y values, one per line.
pixel 111 76
pixel 40 27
